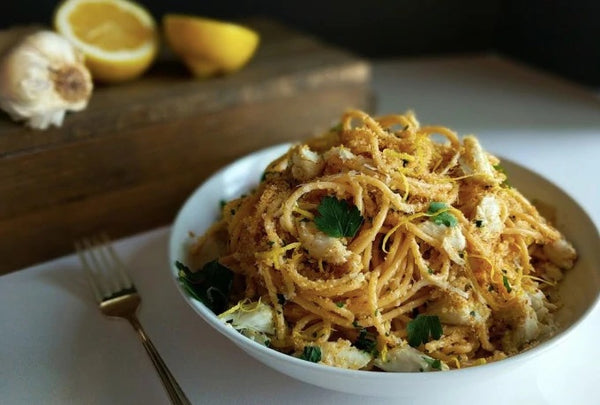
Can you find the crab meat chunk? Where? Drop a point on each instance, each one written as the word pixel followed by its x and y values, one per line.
pixel 254 316
pixel 453 309
pixel 561 253
pixel 488 213
pixel 340 152
pixel 342 354
pixel 306 164
pixel 321 246
pixel 525 321
pixel 474 161
pixel 407 359
pixel 538 303
pixel 450 238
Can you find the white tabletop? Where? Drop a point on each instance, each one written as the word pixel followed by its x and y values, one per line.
pixel 56 347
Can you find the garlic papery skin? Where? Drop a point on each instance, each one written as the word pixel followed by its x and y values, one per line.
pixel 41 78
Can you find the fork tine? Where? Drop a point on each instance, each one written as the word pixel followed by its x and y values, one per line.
pixel 88 271
pixel 119 265
pixel 99 271
pixel 108 265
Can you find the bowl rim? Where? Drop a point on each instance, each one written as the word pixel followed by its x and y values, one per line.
pixel 243 342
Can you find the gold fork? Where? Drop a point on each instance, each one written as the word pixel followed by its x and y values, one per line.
pixel 117 297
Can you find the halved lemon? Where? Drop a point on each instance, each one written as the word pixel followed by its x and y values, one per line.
pixel 118 37
pixel 209 47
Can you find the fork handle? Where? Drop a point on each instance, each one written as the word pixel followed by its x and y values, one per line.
pixel 173 389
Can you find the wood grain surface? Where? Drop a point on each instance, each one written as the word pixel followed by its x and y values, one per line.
pixel 127 162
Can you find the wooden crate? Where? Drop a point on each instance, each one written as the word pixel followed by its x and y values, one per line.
pixel 127 162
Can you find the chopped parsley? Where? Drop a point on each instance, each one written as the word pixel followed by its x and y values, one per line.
pixel 366 342
pixel 441 218
pixel 435 364
pixel 281 299
pixel 340 304
pixel 478 223
pixel 423 328
pixel 337 218
pixel 210 285
pixel 311 353
pixel 506 284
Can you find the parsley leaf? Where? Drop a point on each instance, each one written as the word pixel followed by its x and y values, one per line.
pixel 337 218
pixel 311 353
pixel 210 285
pixel 435 364
pixel 366 342
pixel 506 284
pixel 441 218
pixel 423 328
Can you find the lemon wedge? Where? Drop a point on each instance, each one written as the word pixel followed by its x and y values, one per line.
pixel 209 47
pixel 118 37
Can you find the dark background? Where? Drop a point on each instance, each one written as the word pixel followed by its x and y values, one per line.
pixel 559 36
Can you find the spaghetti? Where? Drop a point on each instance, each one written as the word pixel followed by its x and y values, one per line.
pixel 448 267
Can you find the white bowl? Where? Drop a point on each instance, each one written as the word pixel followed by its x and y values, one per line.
pixel 580 289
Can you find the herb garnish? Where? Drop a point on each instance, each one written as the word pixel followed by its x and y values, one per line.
pixel 501 169
pixel 441 218
pixel 337 218
pixel 210 285
pixel 366 342
pixel 435 364
pixel 423 328
pixel 506 284
pixel 478 223
pixel 311 353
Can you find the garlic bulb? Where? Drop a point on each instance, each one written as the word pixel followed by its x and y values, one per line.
pixel 41 78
